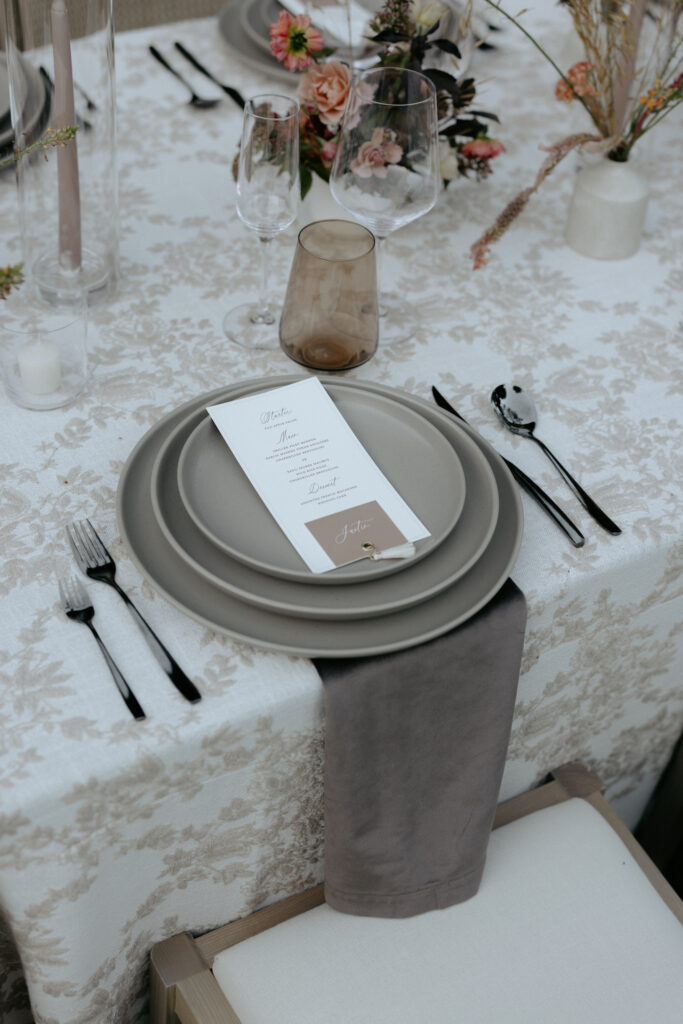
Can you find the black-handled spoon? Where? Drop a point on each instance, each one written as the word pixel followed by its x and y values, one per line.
pixel 228 89
pixel 517 411
pixel 195 101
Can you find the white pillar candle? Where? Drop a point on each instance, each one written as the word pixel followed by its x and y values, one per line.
pixel 39 366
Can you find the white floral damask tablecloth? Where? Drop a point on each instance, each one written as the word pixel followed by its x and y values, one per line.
pixel 115 834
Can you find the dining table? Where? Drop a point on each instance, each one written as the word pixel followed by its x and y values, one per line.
pixel 116 833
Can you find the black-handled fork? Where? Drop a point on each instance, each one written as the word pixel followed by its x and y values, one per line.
pixel 95 561
pixel 227 89
pixel 530 486
pixel 78 606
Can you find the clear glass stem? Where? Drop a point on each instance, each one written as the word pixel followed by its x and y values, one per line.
pixel 347 5
pixel 379 259
pixel 264 314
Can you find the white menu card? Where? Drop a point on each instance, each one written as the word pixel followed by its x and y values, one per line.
pixel 314 476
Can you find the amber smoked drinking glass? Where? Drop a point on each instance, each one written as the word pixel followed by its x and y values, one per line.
pixel 330 319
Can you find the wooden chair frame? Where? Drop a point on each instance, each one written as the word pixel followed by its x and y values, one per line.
pixel 183 988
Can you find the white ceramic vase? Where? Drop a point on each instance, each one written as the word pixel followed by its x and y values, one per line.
pixel 320 204
pixel 607 210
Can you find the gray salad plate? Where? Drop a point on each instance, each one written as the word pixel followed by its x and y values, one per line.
pixel 413 455
pixel 171 575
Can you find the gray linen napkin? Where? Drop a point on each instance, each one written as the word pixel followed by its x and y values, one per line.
pixel 415 745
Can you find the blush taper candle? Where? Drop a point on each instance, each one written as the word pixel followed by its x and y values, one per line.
pixel 67 156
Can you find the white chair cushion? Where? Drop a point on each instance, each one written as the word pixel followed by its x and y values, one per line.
pixel 565 929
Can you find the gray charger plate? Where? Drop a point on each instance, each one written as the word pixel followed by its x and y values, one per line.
pixel 173 578
pixel 413 455
pixel 369 599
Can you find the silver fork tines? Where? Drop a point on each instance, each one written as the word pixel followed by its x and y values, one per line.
pixel 77 605
pixel 88 549
pixel 73 595
pixel 94 560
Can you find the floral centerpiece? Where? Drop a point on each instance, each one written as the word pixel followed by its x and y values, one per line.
pixel 631 79
pixel 405 33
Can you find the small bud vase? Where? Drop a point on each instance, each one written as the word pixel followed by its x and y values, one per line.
pixel 607 210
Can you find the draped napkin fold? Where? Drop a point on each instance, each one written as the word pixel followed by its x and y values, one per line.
pixel 415 745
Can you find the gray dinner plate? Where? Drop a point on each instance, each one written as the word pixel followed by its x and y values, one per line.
pixel 367 598
pixel 174 579
pixel 412 454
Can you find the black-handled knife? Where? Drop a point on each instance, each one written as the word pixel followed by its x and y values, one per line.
pixel 530 486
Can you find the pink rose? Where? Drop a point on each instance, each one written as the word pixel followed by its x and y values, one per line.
pixel 373 156
pixel 483 149
pixel 327 153
pixel 324 89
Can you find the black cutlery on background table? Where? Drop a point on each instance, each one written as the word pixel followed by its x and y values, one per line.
pixel 200 102
pixel 50 87
pixel 79 607
pixel 530 486
pixel 90 104
pixel 94 560
pixel 228 89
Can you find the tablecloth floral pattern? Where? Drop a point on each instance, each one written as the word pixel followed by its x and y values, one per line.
pixel 115 834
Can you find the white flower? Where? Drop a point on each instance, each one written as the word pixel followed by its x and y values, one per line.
pixel 426 13
pixel 448 161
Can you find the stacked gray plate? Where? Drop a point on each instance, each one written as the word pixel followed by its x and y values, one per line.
pixel 197 530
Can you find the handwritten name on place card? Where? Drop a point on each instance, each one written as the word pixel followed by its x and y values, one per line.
pixel 313 474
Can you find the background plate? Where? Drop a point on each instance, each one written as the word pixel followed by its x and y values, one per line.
pixel 36 104
pixel 414 456
pixel 4 92
pixel 230 26
pixel 158 562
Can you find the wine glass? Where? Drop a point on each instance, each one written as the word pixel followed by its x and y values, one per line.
pixel 386 166
pixel 267 202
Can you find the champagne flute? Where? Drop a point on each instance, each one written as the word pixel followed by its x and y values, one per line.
pixel 386 167
pixel 268 196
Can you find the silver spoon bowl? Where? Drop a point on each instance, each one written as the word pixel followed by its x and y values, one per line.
pixel 517 411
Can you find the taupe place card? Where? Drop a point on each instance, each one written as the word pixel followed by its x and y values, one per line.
pixel 350 534
pixel 313 474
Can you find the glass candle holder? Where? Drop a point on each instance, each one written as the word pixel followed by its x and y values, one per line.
pixel 330 316
pixel 60 65
pixel 43 349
